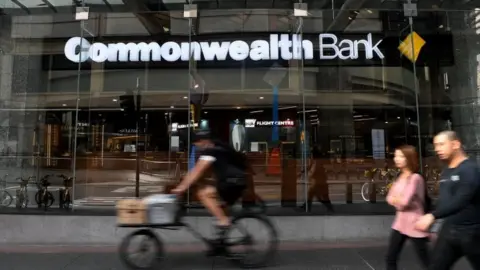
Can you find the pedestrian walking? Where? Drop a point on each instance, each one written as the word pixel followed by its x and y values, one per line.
pixel 458 204
pixel 407 195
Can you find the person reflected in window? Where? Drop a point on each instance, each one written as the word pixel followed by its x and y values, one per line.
pixel 316 172
pixel 407 195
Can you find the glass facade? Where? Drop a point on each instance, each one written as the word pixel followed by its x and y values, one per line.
pixel 110 99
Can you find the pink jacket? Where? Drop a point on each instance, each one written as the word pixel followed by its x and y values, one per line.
pixel 411 194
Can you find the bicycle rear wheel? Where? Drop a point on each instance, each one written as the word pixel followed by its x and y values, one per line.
pixel 5 199
pixel 239 241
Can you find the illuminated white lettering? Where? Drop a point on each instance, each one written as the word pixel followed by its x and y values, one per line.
pixel 347 49
pixel 284 46
pixel 250 123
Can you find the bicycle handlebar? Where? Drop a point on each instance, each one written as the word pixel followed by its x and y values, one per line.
pixel 64 177
pixel 28 179
pixel 45 178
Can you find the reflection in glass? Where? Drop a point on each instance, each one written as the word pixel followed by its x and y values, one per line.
pixel 271 84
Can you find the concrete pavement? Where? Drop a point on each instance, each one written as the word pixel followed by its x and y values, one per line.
pixel 298 256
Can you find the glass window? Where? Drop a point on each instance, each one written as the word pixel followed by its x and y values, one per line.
pixel 110 100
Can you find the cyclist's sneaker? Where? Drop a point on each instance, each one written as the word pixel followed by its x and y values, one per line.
pixel 221 231
pixel 218 249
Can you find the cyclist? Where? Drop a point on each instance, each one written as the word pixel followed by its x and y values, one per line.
pixel 230 169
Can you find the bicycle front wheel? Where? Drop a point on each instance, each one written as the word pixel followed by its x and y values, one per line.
pixel 244 234
pixel 147 254
pixel 366 191
pixel 6 199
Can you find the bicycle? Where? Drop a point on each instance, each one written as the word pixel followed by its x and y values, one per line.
pixel 387 177
pixel 65 197
pixel 222 247
pixel 22 199
pixel 43 196
pixel 5 197
pixel 432 175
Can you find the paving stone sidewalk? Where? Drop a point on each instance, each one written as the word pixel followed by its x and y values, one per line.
pixel 98 258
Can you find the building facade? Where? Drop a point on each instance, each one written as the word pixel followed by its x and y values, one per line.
pixel 107 91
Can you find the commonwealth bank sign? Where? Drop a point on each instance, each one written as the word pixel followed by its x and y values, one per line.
pixel 278 46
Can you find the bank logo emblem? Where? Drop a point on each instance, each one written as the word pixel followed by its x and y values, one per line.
pixel 250 123
pixel 411 46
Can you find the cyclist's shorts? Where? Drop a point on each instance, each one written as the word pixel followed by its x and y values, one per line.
pixel 230 191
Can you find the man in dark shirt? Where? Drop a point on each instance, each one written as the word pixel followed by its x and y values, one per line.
pixel 230 169
pixel 458 205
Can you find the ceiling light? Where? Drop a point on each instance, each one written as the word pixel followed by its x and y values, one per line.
pixel 238 108
pixel 369 11
pixel 205 112
pixel 260 97
pixel 64 105
pixel 172 107
pixel 386 122
pixel 259 111
pixel 114 100
pixel 185 97
pixel 398 117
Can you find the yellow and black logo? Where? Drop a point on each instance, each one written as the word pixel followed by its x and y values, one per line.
pixel 411 46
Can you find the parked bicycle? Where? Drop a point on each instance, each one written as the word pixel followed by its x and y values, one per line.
pixel 65 192
pixel 43 197
pixel 385 177
pixel 227 246
pixel 432 175
pixel 22 200
pixel 5 197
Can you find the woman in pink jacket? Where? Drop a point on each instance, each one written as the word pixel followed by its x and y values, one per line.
pixel 407 195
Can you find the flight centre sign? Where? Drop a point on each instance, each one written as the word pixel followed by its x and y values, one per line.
pixel 277 47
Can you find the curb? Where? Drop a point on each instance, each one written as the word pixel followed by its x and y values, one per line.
pixel 178 248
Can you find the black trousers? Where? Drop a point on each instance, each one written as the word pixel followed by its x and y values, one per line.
pixel 397 241
pixel 454 243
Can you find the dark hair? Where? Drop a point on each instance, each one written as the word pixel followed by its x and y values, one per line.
pixel 411 157
pixel 450 134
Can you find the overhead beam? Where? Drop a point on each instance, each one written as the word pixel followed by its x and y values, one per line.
pixel 345 15
pixel 108 5
pixel 52 7
pixel 144 15
pixel 22 6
